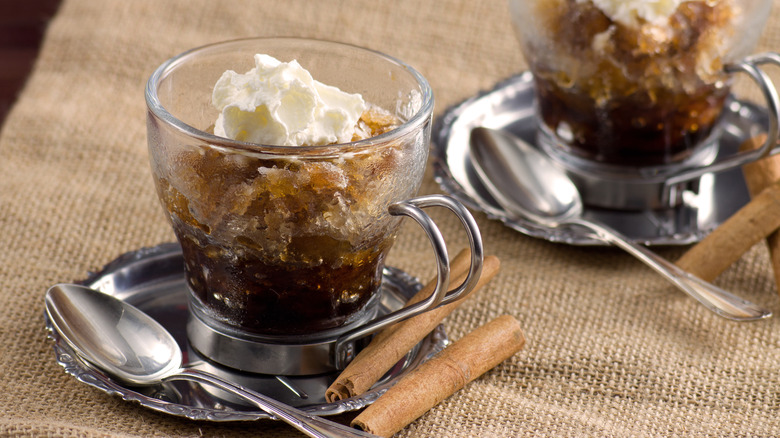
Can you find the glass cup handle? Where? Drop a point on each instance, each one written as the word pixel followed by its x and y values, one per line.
pixel 750 66
pixel 344 345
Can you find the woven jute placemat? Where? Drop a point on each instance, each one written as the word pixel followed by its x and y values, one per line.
pixel 612 349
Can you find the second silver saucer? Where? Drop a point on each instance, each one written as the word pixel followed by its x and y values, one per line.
pixel 510 106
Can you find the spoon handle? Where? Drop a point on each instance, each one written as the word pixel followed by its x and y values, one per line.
pixel 311 425
pixel 714 298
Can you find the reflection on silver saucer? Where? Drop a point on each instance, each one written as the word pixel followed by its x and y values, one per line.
pixel 511 106
pixel 152 279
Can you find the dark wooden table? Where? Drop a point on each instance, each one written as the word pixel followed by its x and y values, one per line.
pixel 22 25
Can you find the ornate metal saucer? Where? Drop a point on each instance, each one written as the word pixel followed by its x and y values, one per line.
pixel 152 279
pixel 510 106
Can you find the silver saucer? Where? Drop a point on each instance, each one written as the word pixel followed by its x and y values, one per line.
pixel 511 106
pixel 152 279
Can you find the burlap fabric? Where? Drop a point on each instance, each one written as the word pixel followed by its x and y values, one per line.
pixel 612 349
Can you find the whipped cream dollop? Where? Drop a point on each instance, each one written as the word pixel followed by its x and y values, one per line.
pixel 634 12
pixel 279 103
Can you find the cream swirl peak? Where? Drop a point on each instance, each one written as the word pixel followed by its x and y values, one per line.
pixel 279 103
pixel 635 12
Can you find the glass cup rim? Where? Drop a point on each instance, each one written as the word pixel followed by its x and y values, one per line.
pixel 155 106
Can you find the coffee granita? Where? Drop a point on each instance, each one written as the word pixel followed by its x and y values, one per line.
pixel 289 241
pixel 630 82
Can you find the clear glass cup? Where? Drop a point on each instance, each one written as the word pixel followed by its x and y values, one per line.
pixel 284 240
pixel 619 90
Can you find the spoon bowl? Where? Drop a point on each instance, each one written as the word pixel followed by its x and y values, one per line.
pixel 132 347
pixel 530 185
pixel 527 184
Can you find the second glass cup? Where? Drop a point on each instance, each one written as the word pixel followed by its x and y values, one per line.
pixel 630 93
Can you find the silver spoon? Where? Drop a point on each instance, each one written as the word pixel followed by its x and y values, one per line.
pixel 527 184
pixel 134 348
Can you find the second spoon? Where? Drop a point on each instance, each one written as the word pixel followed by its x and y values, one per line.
pixel 527 184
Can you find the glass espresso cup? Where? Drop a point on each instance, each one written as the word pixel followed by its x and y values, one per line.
pixel 286 244
pixel 634 85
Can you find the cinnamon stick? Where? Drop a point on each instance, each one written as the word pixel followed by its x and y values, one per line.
pixel 393 343
pixel 759 175
pixel 725 245
pixel 443 375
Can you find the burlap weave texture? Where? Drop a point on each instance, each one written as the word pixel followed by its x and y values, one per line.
pixel 612 349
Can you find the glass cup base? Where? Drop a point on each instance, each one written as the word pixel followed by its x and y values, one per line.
pixel 627 187
pixel 288 355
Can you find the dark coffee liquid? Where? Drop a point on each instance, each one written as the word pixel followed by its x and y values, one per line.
pixel 274 298
pixel 635 130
